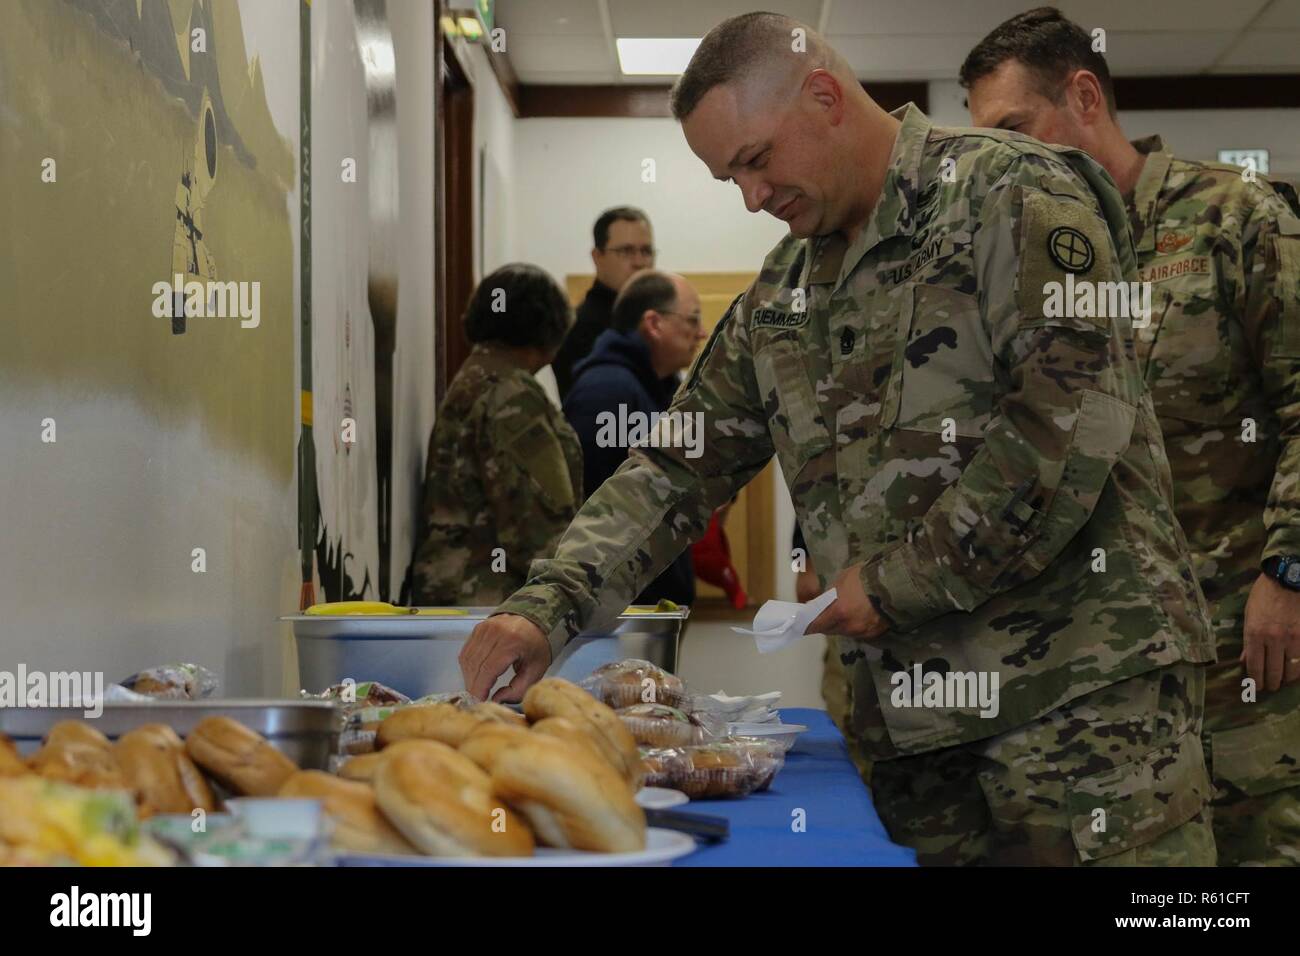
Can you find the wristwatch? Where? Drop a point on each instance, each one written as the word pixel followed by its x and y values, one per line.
pixel 1285 570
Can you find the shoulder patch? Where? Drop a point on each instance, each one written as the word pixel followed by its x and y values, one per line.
pixel 1064 245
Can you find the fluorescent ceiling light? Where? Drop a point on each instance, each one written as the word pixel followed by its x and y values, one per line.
pixel 664 57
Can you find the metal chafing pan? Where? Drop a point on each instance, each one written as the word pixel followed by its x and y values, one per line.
pixel 305 731
pixel 418 654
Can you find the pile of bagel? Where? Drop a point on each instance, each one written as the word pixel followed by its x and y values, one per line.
pixel 447 780
pixel 486 781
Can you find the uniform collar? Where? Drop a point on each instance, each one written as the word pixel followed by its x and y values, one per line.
pixel 831 258
pixel 1146 193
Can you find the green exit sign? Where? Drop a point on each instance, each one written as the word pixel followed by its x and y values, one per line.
pixel 1256 159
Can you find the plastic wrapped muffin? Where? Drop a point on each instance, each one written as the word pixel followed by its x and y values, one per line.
pixel 767 755
pixel 624 683
pixel 658 725
pixel 663 766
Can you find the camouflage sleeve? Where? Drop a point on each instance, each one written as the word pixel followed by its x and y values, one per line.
pixel 659 500
pixel 1270 310
pixel 527 483
pixel 1064 410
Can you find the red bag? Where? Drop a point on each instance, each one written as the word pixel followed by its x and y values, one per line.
pixel 711 556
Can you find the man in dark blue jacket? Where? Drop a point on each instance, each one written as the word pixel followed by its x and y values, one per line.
pixel 619 392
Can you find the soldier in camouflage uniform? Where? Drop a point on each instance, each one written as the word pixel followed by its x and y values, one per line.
pixel 1221 356
pixel 986 479
pixel 504 473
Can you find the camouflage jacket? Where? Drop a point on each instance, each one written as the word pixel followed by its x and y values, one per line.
pixel 502 481
pixel 934 423
pixel 1222 350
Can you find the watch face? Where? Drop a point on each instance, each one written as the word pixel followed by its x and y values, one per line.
pixel 1292 576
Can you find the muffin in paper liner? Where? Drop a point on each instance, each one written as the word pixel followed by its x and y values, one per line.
pixel 629 682
pixel 768 757
pixel 658 725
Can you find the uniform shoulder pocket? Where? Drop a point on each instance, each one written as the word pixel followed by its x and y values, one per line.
pixel 1064 246
pixel 1288 286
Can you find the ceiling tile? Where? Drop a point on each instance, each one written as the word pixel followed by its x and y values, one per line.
pixel 896 57
pixel 692 18
pixel 550 17
pixel 1148 54
pixel 1174 16
pixel 1272 51
pixel 929 17
pixel 548 53
pixel 1280 15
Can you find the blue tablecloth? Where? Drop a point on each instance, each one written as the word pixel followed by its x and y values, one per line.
pixel 841 825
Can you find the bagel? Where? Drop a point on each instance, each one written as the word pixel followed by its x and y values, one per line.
pixel 239 759
pixel 445 723
pixel 165 780
pixel 352 808
pixel 571 797
pixel 443 803
pixel 555 697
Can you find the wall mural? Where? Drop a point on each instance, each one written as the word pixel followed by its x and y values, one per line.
pixel 354 295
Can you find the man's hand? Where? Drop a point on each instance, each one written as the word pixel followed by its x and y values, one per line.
pixel 502 641
pixel 851 614
pixel 1272 647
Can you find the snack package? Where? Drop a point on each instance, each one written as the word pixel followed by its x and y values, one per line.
pixel 730 767
pixel 624 683
pixel 365 705
pixel 750 709
pixel 658 725
pixel 174 682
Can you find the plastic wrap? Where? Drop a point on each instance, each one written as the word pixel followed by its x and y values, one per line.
pixel 730 767
pixel 174 682
pixel 365 705
pixel 658 725
pixel 624 683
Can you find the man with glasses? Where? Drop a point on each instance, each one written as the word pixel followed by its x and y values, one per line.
pixel 624 244
pixel 654 334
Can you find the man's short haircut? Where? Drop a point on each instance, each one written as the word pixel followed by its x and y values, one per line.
pixel 518 305
pixel 648 289
pixel 736 48
pixel 600 231
pixel 1048 45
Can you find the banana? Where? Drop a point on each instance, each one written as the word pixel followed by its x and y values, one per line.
pixel 338 608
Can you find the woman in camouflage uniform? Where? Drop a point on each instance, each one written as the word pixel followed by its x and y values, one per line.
pixel 503 477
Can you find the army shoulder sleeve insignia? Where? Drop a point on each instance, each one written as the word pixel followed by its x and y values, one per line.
pixel 1063 246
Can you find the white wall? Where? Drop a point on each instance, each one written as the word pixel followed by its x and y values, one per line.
pixel 567 171
pixel 1193 134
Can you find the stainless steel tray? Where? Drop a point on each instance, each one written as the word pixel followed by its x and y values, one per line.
pixel 306 731
pixel 417 654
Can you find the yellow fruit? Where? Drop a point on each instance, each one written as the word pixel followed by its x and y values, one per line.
pixel 356 607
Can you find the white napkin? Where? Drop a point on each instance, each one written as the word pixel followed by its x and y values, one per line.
pixel 779 624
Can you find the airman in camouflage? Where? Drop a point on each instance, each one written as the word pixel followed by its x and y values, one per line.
pixel 1221 355
pixel 504 473
pixel 984 475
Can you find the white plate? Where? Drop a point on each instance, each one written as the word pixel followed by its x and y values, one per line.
pixel 662 847
pixel 784 734
pixel 660 798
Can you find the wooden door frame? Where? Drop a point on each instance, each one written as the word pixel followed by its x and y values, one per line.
pixel 453 204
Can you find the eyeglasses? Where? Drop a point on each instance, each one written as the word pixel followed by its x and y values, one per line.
pixel 693 320
pixel 627 252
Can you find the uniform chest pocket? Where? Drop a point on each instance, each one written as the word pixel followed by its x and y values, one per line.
pixel 943 368
pixel 791 404
pixel 1189 366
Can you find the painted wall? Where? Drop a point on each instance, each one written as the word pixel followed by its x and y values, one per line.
pixel 164 442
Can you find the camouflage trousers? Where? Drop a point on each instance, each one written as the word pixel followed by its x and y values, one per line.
pixel 837 692
pixel 1253 751
pixel 1115 777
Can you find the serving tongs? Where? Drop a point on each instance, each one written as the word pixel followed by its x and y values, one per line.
pixel 705 828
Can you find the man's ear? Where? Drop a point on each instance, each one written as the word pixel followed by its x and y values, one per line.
pixel 826 91
pixel 1085 90
pixel 651 325
pixel 594 253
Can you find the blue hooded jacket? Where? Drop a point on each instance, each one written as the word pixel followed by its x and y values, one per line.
pixel 618 372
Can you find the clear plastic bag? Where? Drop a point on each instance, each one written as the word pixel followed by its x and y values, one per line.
pixel 658 725
pixel 628 682
pixel 174 682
